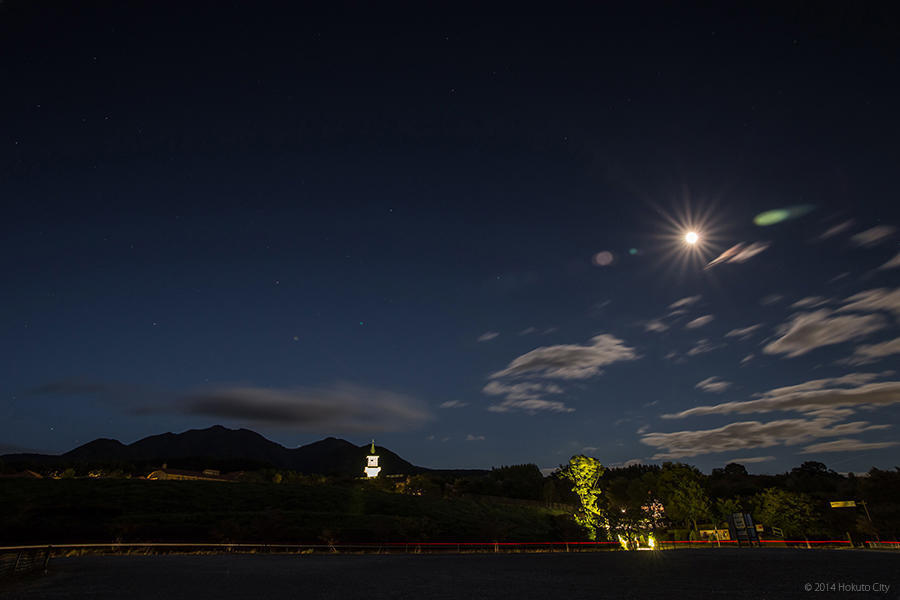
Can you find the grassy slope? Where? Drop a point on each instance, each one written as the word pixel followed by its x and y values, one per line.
pixel 79 510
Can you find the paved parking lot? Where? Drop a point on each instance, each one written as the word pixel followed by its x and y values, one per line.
pixel 722 573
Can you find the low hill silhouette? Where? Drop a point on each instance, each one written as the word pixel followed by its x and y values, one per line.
pixel 331 456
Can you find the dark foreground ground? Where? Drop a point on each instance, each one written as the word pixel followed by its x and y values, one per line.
pixel 725 573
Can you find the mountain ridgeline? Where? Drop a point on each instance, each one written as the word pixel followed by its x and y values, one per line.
pixel 218 446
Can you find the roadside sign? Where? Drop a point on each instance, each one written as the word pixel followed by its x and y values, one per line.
pixel 778 532
pixel 843 504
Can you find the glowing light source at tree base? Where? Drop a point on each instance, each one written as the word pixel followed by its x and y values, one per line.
pixel 691 237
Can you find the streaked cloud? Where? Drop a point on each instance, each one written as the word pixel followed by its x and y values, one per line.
pixel 523 383
pixel 740 252
pixel 687 301
pixel 453 404
pixel 655 325
pixel 341 408
pixel 713 384
pixel 807 331
pixel 836 229
pixel 847 445
pixel 528 331
pixel 702 347
pixel 883 299
pixel 570 361
pixel 749 460
pixel 488 336
pixel 699 322
pixel 771 299
pixel 744 435
pixel 474 438
pixel 747 359
pixel 526 396
pixel 891 264
pixel 852 391
pixel 744 332
pixel 873 352
pixel 874 235
pixel 810 302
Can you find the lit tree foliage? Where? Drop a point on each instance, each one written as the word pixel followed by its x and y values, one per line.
pixel 683 493
pixel 792 512
pixel 585 473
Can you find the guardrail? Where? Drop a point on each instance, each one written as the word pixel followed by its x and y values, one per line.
pixel 402 547
pixel 30 557
pixel 879 545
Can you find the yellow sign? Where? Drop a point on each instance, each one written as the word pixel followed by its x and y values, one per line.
pixel 843 504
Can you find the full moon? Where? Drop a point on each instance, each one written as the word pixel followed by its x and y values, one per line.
pixel 691 237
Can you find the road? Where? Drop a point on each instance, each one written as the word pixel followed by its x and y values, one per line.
pixel 721 573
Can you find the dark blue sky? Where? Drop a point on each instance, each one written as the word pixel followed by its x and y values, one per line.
pixel 369 224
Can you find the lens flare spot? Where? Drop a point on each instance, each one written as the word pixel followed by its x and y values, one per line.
pixel 603 259
pixel 691 237
pixel 771 217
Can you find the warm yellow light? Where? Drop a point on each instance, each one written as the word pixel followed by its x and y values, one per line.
pixel 691 237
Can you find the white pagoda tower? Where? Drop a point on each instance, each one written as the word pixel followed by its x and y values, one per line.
pixel 372 469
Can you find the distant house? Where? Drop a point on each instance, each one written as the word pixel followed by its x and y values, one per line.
pixel 166 473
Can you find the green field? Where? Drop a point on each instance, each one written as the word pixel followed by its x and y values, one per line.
pixel 108 510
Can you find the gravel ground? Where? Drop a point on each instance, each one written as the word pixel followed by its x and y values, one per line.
pixel 720 573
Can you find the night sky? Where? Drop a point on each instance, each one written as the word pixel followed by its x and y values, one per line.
pixel 462 234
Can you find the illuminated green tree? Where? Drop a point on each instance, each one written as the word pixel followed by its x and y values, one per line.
pixel 585 473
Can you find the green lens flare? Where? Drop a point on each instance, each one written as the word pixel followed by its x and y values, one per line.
pixel 771 217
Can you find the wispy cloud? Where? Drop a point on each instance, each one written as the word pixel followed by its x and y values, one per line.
pixel 854 390
pixel 874 235
pixel 771 299
pixel 749 460
pixel 836 229
pixel 702 347
pixel 883 299
pixel 684 302
pixel 342 407
pixel 891 264
pixel 453 404
pixel 528 331
pixel 873 352
pixel 744 332
pixel 745 435
pixel 846 445
pixel 570 361
pixel 474 438
pixel 740 252
pixel 488 336
pixel 528 396
pixel 807 331
pixel 747 359
pixel 524 383
pixel 699 322
pixel 810 302
pixel 713 384
pixel 655 325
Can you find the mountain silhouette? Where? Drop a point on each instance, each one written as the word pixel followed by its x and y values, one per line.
pixel 331 456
